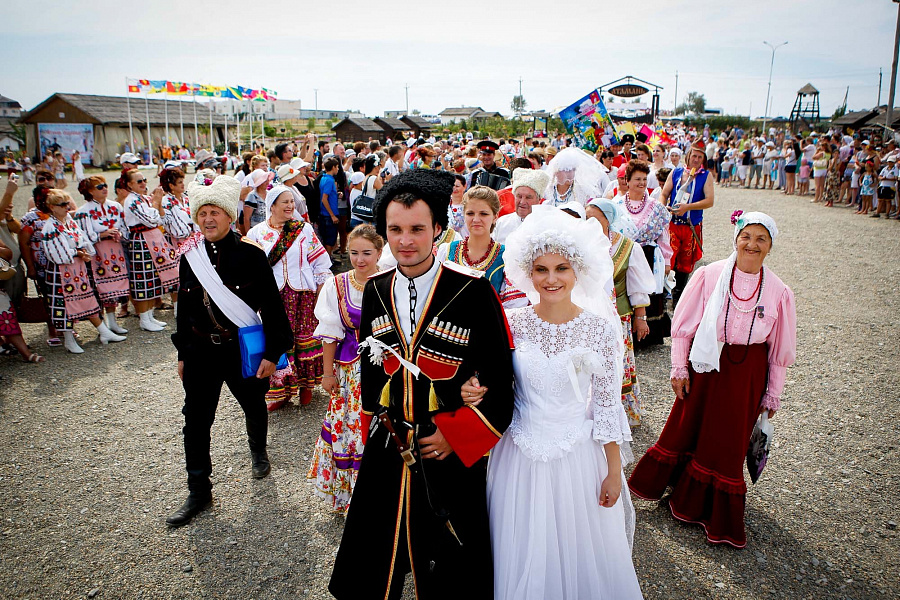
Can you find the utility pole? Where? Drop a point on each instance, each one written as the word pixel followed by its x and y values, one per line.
pixel 769 91
pixel 316 91
pixel 676 93
pixel 406 87
pixel 877 104
pixel 520 86
pixel 890 108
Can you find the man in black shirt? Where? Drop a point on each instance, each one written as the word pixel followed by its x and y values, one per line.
pixel 209 353
pixel 490 173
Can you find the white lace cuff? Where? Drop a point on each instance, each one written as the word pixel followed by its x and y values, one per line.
pixel 321 278
pixel 680 373
pixel 611 424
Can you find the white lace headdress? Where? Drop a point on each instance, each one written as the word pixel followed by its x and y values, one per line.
pixel 587 172
pixel 548 230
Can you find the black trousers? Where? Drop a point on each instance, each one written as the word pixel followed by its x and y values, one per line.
pixel 204 373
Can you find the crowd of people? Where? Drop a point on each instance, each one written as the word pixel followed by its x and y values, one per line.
pixel 495 295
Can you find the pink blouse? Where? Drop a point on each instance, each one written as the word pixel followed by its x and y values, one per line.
pixel 777 327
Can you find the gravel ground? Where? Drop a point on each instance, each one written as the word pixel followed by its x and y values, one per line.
pixel 94 460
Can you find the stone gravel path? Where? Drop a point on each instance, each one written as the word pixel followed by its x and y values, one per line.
pixel 92 460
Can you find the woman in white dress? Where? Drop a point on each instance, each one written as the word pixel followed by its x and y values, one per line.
pixel 560 513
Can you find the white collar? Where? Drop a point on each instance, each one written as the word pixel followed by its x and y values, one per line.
pixel 425 278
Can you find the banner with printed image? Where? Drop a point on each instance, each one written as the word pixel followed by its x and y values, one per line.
pixel 588 121
pixel 67 138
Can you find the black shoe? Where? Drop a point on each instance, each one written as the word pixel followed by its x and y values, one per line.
pixel 261 466
pixel 193 506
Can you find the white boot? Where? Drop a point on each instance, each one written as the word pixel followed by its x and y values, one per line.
pixel 70 343
pixel 155 320
pixel 107 336
pixel 147 324
pixel 175 310
pixel 113 326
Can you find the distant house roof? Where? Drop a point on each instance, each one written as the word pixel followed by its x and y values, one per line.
pixel 417 122
pixel 879 116
pixel 484 114
pixel 808 90
pixel 854 118
pixel 391 123
pixel 461 111
pixel 113 110
pixel 9 102
pixel 364 124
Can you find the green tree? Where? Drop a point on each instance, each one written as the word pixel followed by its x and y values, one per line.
pixel 269 131
pixel 839 112
pixel 518 105
pixel 416 112
pixel 694 103
pixel 311 123
pixel 329 124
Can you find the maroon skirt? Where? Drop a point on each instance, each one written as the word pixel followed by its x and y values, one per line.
pixel 702 448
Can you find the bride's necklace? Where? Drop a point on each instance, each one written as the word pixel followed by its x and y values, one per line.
pixel 565 197
pixel 353 281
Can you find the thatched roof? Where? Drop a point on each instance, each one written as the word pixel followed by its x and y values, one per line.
pixel 364 124
pixel 417 122
pixel 391 123
pixel 808 90
pixel 113 110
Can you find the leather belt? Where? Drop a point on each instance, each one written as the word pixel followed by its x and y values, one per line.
pixel 216 338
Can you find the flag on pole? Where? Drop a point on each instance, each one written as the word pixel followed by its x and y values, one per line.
pixel 134 89
pixel 176 88
pixel 157 86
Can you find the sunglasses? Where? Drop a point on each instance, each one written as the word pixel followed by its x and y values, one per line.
pixel 60 204
pixel 101 186
pixel 139 181
pixel 42 178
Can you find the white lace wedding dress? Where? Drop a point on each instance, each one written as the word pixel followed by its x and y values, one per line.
pixel 550 536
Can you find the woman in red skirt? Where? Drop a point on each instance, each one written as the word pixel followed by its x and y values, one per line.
pixel 733 337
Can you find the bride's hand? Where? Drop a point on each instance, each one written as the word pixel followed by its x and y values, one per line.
pixel 610 489
pixel 472 392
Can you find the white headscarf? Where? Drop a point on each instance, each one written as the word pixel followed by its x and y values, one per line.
pixel 707 348
pixel 272 196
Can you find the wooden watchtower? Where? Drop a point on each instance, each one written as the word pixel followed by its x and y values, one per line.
pixel 806 107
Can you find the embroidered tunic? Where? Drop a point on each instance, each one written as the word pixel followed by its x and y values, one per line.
pixel 494 271
pixel 304 266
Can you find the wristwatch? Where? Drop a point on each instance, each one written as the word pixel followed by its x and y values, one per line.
pixel 643 318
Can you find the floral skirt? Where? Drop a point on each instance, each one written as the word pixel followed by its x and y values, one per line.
pixel 832 186
pixel 631 389
pixel 9 324
pixel 305 357
pixel 83 303
pixel 339 448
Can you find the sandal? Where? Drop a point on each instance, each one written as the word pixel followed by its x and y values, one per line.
pixel 54 342
pixel 35 358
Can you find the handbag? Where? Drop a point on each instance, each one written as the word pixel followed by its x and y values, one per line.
pixel 364 206
pixel 760 442
pixel 7 271
pixel 252 341
pixel 31 309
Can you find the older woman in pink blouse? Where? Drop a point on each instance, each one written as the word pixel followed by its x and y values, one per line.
pixel 733 338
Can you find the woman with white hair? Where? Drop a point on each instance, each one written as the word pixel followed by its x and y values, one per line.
pixel 561 517
pixel 733 338
pixel 301 265
pixel 574 175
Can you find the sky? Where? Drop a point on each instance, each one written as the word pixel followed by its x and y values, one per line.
pixel 362 55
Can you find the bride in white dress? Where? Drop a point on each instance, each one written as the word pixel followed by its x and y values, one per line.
pixel 561 516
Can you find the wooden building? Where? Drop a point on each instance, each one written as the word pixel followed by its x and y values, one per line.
pixel 358 130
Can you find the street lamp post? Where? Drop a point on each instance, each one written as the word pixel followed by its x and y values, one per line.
pixel 769 92
pixel 889 119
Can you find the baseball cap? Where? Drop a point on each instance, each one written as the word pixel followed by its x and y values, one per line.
pixel 129 158
pixel 357 178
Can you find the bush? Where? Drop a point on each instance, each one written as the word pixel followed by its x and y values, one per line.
pixel 718 123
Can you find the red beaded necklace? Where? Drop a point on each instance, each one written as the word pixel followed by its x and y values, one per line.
pixel 753 293
pixel 465 253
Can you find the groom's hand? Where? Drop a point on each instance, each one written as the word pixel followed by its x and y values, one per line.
pixel 435 446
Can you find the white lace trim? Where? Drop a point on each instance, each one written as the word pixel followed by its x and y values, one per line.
pixel 545 349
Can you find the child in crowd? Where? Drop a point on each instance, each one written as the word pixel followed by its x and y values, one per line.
pixel 804 177
pixel 867 188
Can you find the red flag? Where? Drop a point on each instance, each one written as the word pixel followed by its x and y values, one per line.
pixel 134 89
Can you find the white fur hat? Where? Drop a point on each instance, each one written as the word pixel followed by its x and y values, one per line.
pixel 223 192
pixel 532 178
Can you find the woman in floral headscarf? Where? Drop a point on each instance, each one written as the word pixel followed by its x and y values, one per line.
pixel 733 338
pixel 301 267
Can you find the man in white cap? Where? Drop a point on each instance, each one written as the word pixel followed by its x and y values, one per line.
pixel 222 278
pixel 528 187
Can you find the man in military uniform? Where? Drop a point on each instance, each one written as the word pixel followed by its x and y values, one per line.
pixel 207 340
pixel 490 173
pixel 419 504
